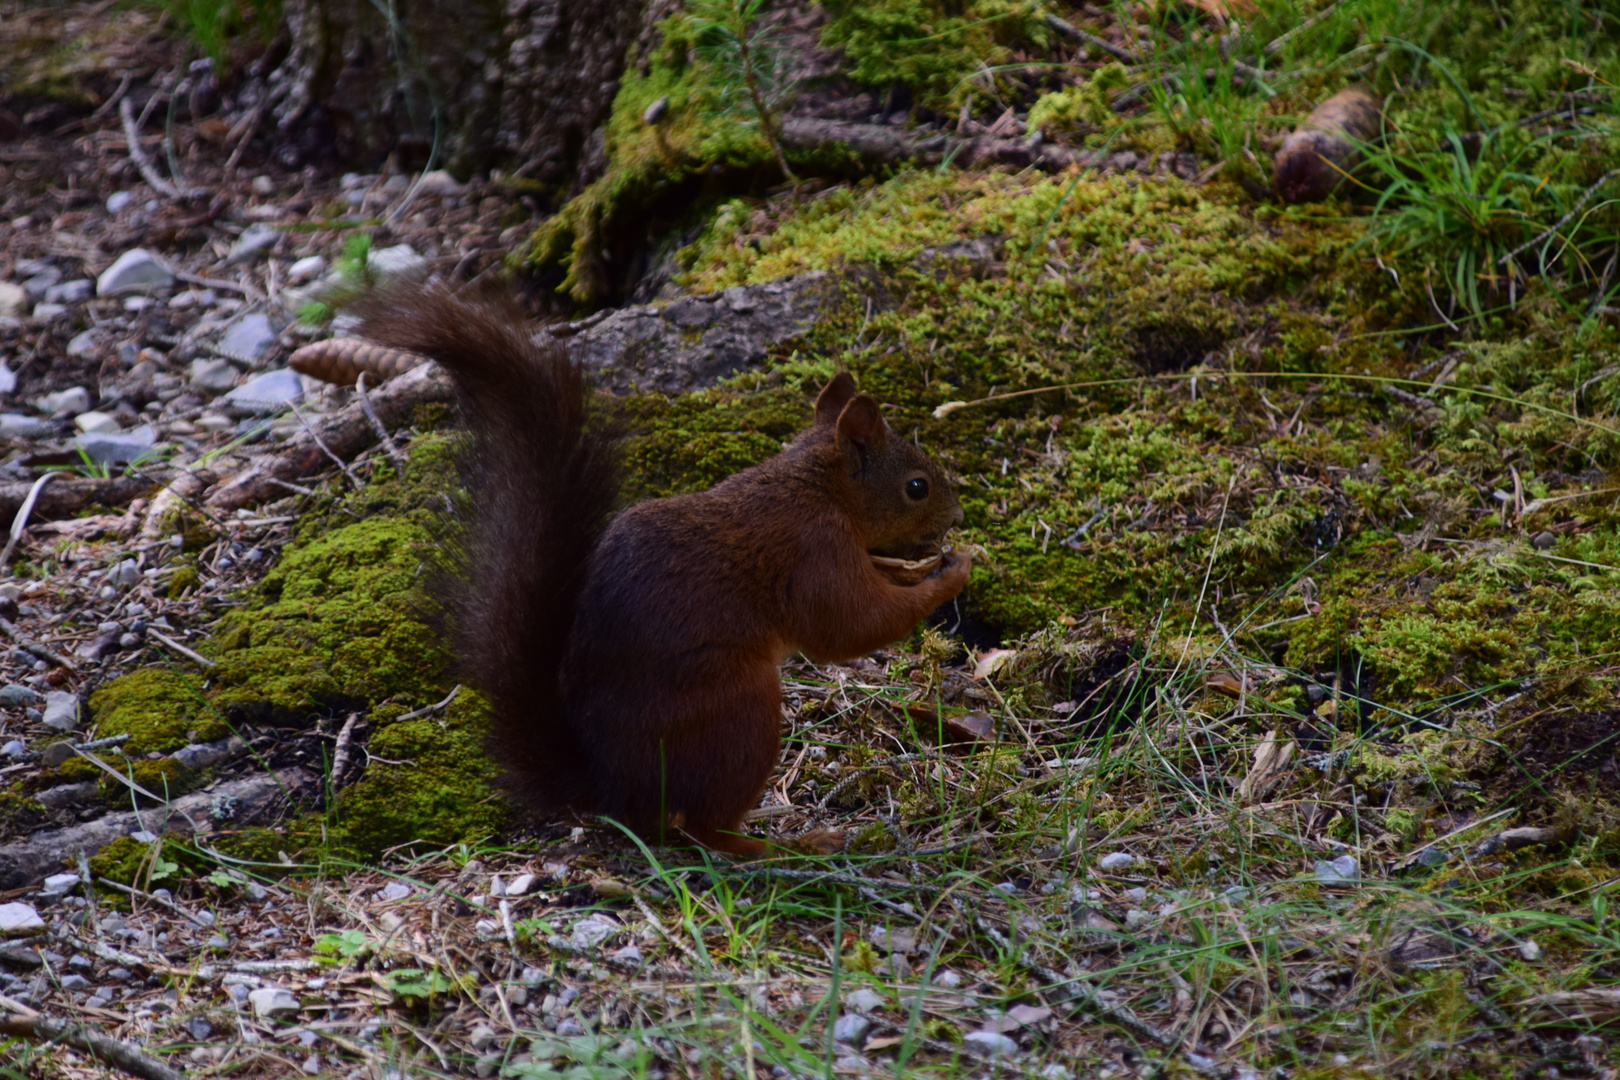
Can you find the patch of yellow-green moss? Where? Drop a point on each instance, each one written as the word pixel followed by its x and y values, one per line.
pixel 160 710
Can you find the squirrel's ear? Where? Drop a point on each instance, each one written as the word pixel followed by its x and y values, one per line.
pixel 834 396
pixel 861 428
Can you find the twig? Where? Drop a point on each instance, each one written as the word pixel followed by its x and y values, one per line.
pixel 353 479
pixel 435 707
pixel 1565 220
pixel 213 283
pixel 243 132
pixel 1274 46
pixel 1069 30
pixel 196 920
pixel 340 750
pixel 149 172
pixel 395 454
pixel 195 657
pixel 20 522
pixel 30 645
pixel 122 1056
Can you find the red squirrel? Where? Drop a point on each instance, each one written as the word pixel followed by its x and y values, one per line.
pixel 631 657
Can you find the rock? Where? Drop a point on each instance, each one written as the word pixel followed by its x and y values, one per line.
pixel 13 300
pixel 48 312
pixel 96 423
pixel 656 111
pixel 629 956
pixel 18 426
pixel 263 186
pixel 67 794
pixel 14 749
pixel 59 885
pixel 592 930
pixel 123 575
pixel 19 920
pixel 75 982
pixel 249 339
pixel 207 755
pixel 394 890
pixel 1337 871
pixel 394 261
pixel 254 893
pixel 1529 951
pixel 947 978
pixel 637 347
pixel 439 182
pixel 136 270
pixel 118 200
pixel 894 941
pixel 16 695
pixel 850 1029
pixel 8 379
pixel 1115 861
pixel 270 392
pixel 273 1001
pixel 990 1043
pixel 70 402
pixel 306 269
pixel 56 753
pixel 37 285
pixel 199 1028
pixel 212 376
pixel 117 448
pixel 520 885
pixel 864 1001
pixel 61 710
pixel 1543 541
pixel 254 242
pixel 83 343
pixel 76 291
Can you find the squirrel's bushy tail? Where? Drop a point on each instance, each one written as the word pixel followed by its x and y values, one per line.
pixel 542 479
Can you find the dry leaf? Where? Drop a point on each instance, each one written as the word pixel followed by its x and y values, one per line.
pixel 1271 760
pixel 962 727
pixel 993 660
pixel 1224 682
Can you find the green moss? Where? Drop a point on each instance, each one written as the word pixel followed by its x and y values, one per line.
pixel 160 710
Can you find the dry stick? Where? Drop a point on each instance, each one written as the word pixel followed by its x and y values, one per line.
pixel 1566 219
pixel 122 1056
pixel 149 171
pixel 246 128
pixel 353 479
pixel 195 657
pixel 435 707
pixel 395 454
pixel 195 920
pixel 30 645
pixel 214 283
pixel 20 522
pixel 1069 30
pixel 340 750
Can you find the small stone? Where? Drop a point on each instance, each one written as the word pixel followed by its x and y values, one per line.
pixel 70 402
pixel 212 376
pixel 207 755
pixel 656 111
pixel 850 1029
pixel 263 186
pixel 252 244
pixel 1136 918
pixel 312 1067
pixel 272 1001
pixel 864 1001
pixel 396 260
pixel 118 974
pixel 13 300
pixel 213 422
pixel 55 754
pixel 1543 541
pixel 592 930
pixel 60 884
pixel 36 286
pixel 893 941
pixel 532 977
pixel 1337 871
pixel 140 303
pixel 394 890
pixel 14 749
pixel 629 956
pixel 82 343
pixel 48 312
pixel 61 710
pixel 250 338
pixel 96 422
pixel 1529 951
pixel 307 269
pixel 947 978
pixel 14 695
pixel 136 270
pixel 117 447
pixel 482 1037
pixel 990 1043
pixel 19 426
pixel 124 575
pixel 19 920
pixel 118 200
pixel 485 1067
pixel 520 885
pixel 75 982
pixel 571 1028
pixel 439 182
pixel 76 291
pixel 269 392
pixel 254 893
pixel 1116 860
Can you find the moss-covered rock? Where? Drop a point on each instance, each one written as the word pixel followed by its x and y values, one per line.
pixel 159 709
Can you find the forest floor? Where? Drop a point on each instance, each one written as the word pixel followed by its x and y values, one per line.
pixel 1276 735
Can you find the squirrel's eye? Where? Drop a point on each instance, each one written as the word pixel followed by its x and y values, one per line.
pixel 917 489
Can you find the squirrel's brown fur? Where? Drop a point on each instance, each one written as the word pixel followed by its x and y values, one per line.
pixel 632 660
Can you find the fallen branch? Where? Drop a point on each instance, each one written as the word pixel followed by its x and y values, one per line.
pixel 103 1048
pixel 195 657
pixel 28 644
pixel 20 522
pixel 67 496
pixel 345 434
pixel 1071 31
